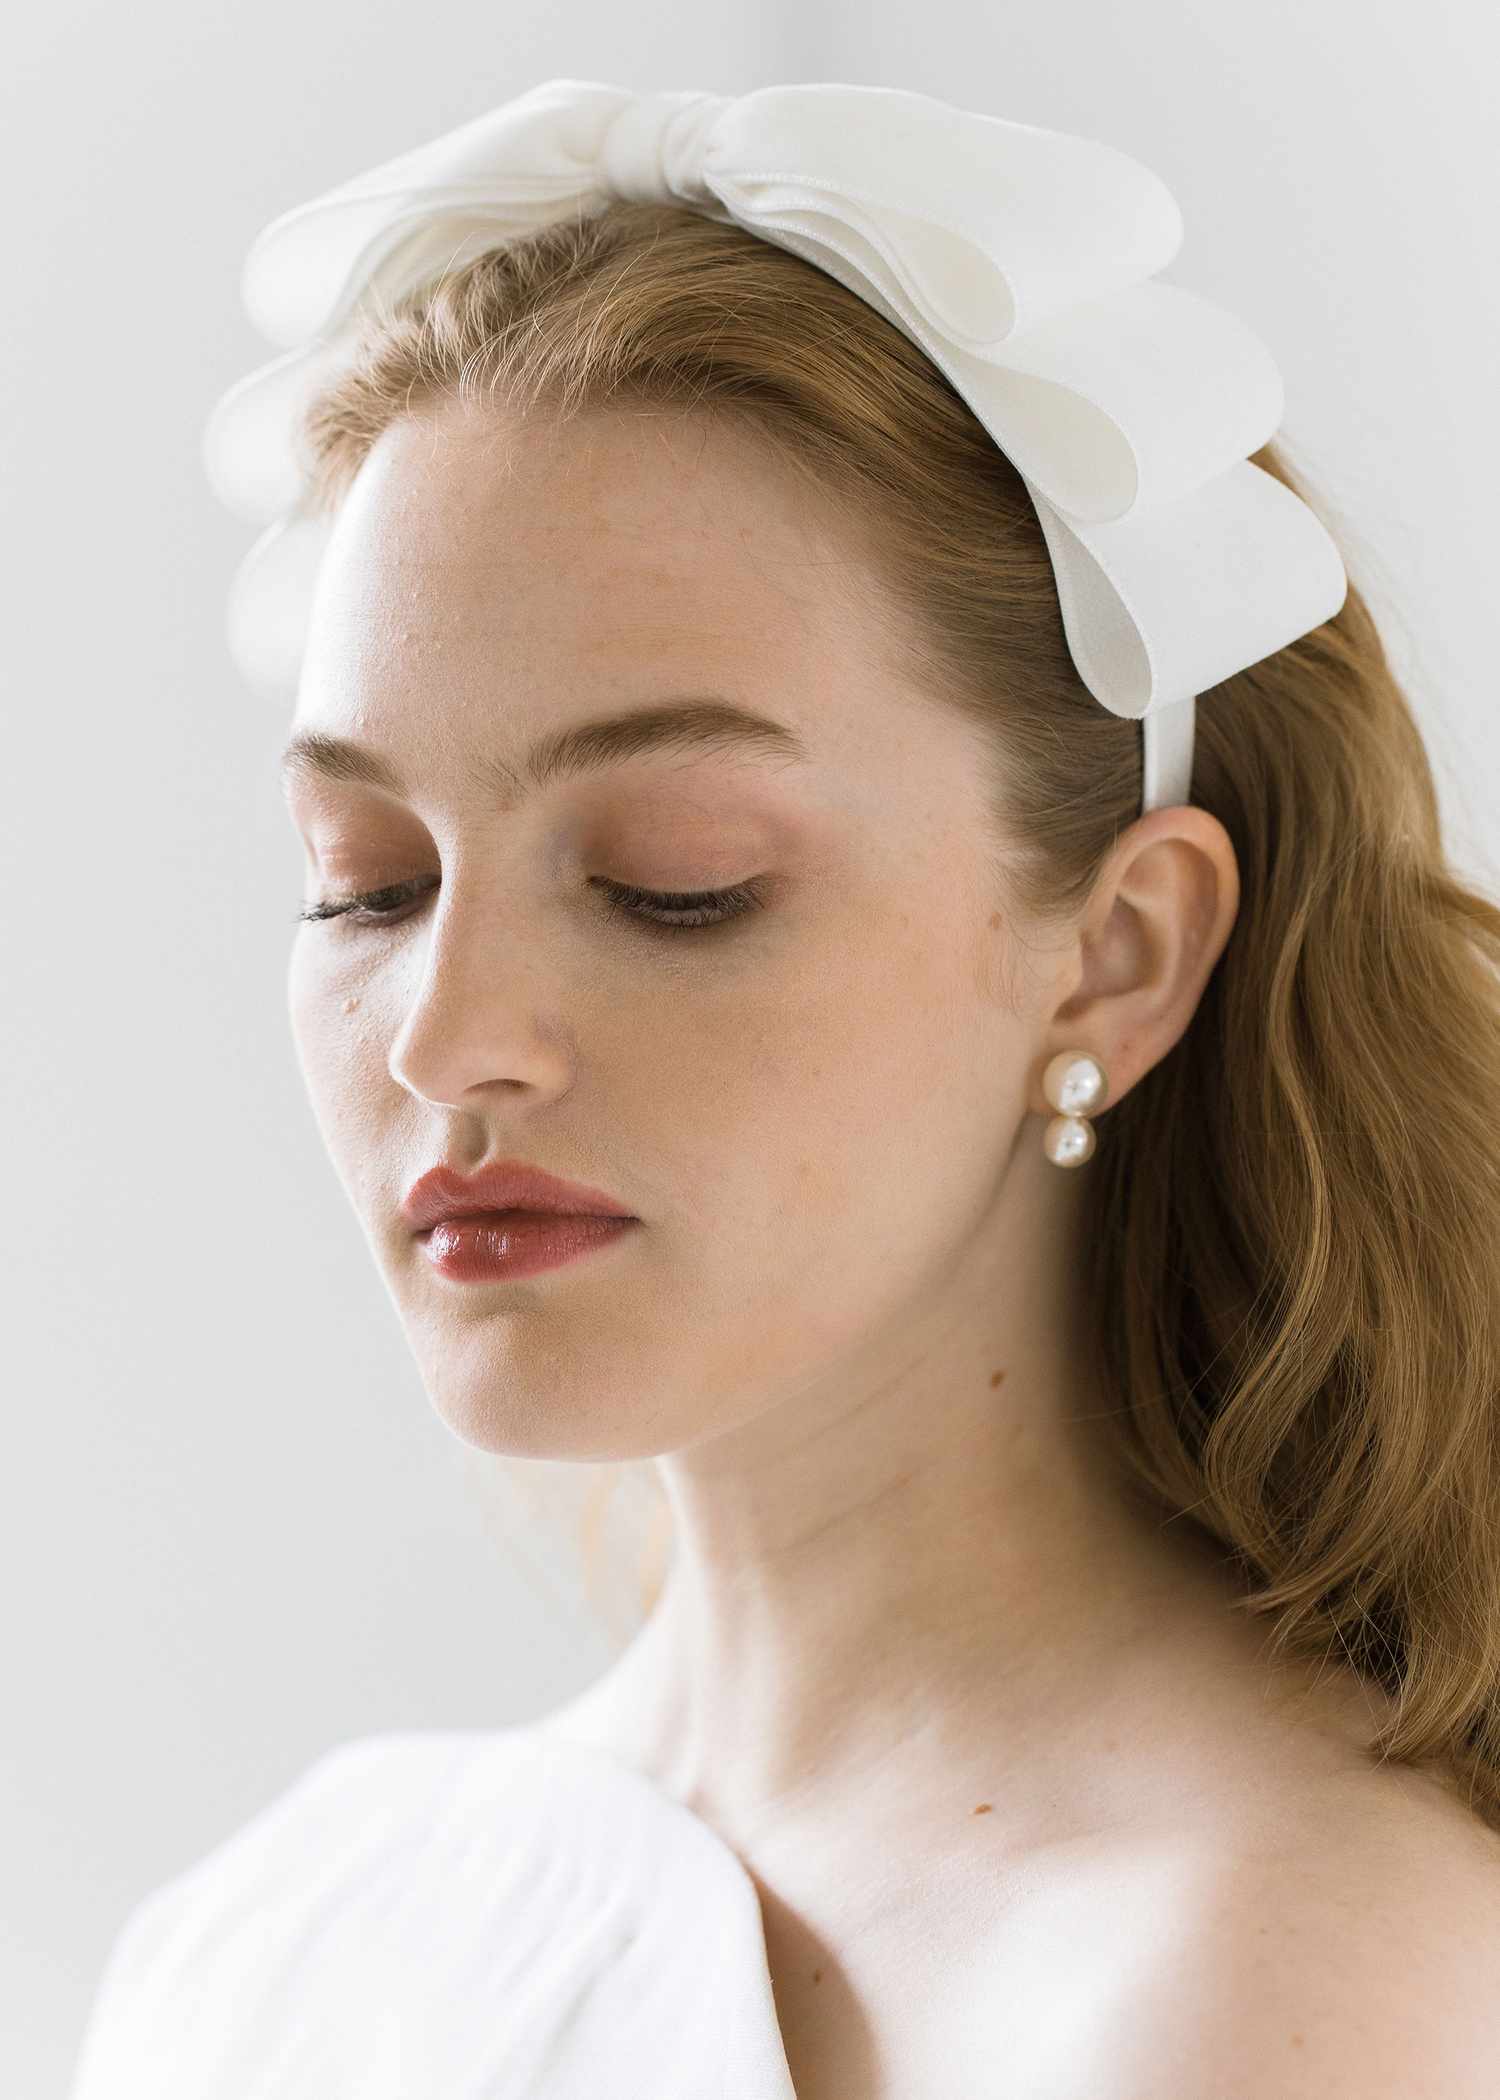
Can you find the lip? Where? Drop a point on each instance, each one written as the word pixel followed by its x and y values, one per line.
pixel 506 1185
pixel 504 1249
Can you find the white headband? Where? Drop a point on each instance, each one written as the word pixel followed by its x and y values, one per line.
pixel 1016 257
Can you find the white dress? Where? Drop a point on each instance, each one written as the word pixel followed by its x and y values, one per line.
pixel 449 1915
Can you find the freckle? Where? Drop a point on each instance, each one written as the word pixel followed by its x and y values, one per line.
pixel 995 1378
pixel 350 1003
pixel 817 1975
pixel 984 1808
pixel 994 920
pixel 1296 2041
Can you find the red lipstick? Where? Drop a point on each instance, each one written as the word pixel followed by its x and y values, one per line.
pixel 508 1220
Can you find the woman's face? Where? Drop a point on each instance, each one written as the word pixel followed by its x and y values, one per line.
pixel 810 1108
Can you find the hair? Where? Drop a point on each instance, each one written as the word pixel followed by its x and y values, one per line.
pixel 1291 1218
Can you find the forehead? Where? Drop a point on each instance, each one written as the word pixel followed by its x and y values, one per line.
pixel 491 582
pixel 614 546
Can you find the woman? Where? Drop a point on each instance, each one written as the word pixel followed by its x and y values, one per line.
pixel 1082 1630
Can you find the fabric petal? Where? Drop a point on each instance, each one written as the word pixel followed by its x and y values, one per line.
pixel 1020 260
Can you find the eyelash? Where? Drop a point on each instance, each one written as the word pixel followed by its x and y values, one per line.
pixel 367 907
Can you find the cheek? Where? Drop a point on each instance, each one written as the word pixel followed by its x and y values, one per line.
pixel 312 1009
pixel 828 1087
pixel 836 1168
pixel 340 1048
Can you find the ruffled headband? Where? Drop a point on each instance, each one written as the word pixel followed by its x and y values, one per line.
pixel 1019 259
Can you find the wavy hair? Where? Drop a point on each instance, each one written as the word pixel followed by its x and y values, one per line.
pixel 1293 1223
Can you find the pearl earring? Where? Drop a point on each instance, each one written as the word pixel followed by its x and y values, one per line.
pixel 1075 1084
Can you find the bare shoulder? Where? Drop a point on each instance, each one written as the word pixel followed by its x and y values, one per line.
pixel 1352 1952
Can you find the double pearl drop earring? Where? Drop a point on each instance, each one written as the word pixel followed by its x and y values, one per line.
pixel 1075 1084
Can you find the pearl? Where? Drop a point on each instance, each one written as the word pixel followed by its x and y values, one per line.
pixel 1075 1083
pixel 1068 1141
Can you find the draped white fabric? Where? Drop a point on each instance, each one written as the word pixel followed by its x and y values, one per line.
pixel 447 1916
pixel 1023 262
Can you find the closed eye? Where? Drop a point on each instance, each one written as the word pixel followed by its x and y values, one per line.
pixel 707 908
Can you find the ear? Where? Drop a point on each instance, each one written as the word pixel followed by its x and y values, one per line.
pixel 1156 923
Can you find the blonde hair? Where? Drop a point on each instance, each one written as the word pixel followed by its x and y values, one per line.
pixel 1293 1224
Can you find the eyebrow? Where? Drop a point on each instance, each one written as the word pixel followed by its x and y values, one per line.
pixel 687 722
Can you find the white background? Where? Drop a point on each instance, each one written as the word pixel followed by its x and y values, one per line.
pixel 234 1531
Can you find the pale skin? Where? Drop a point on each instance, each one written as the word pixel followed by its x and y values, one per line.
pixel 848 1328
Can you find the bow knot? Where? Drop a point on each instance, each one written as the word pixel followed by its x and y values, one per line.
pixel 1020 260
pixel 653 147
